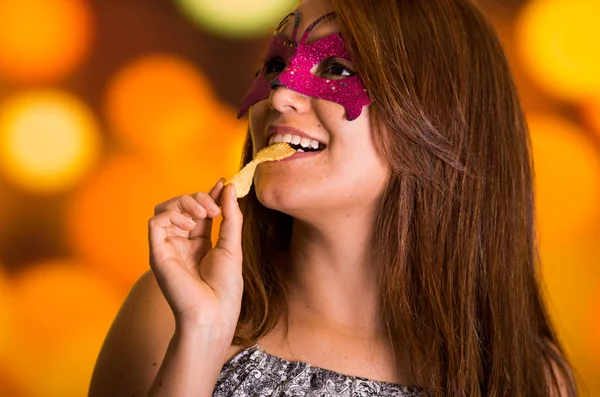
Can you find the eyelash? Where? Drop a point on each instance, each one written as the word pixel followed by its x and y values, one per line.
pixel 334 68
pixel 273 63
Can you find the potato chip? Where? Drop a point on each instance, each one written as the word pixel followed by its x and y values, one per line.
pixel 275 152
pixel 243 179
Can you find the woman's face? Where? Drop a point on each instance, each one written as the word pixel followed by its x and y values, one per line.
pixel 347 174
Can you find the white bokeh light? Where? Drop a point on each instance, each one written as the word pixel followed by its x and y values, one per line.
pixel 236 18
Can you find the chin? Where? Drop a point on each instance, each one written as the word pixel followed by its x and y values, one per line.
pixel 277 198
pixel 298 203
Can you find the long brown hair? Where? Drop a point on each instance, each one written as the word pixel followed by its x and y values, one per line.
pixel 454 235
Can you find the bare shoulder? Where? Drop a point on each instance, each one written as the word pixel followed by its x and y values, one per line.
pixel 136 343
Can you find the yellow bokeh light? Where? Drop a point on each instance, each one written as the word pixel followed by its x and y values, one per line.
pixel 567 169
pixel 158 104
pixel 236 18
pixel 559 45
pixel 43 40
pixel 58 303
pixel 48 140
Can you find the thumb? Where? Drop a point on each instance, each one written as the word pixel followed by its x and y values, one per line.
pixel 230 233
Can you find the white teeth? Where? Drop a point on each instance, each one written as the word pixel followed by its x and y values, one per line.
pixel 299 151
pixel 294 140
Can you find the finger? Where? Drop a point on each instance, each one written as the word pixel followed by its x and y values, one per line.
pixel 176 203
pixel 230 234
pixel 198 205
pixel 206 202
pixel 190 206
pixel 204 227
pixel 217 190
pixel 158 226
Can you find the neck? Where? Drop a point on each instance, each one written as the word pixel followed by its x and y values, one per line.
pixel 332 279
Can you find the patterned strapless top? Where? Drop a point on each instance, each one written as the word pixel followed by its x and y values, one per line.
pixel 255 373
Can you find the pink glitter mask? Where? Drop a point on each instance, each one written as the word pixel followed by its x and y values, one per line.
pixel 299 59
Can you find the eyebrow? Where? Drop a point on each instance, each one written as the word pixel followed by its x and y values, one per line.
pixel 285 21
pixel 297 14
pixel 326 17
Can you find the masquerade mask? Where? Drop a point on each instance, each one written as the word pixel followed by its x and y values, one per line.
pixel 297 59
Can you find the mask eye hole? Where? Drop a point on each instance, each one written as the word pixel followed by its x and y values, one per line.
pixel 335 69
pixel 274 66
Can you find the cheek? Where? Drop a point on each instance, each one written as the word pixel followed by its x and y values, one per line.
pixel 359 156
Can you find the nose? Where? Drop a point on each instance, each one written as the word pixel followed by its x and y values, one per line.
pixel 284 99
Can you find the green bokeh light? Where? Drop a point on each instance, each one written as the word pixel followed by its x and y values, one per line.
pixel 236 18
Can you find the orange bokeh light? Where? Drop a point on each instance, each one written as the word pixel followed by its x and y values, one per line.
pixel 567 168
pixel 53 301
pixel 158 104
pixel 57 303
pixel 107 219
pixel 212 155
pixel 43 40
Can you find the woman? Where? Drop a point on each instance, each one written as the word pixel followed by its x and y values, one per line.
pixel 399 258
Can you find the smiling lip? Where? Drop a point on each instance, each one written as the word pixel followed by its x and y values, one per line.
pixel 283 129
pixel 300 155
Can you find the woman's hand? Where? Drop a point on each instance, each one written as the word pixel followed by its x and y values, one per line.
pixel 202 284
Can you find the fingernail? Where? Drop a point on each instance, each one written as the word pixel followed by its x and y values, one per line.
pixel 222 180
pixel 232 191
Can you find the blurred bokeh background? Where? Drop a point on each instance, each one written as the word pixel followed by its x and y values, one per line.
pixel 108 107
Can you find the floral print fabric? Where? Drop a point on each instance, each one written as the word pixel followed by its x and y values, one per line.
pixel 255 373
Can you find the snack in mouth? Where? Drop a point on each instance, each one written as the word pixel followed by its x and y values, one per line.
pixel 243 179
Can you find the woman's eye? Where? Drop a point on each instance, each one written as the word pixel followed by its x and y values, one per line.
pixel 274 66
pixel 337 70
